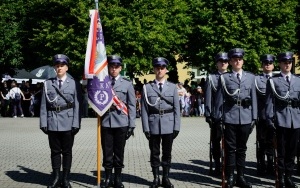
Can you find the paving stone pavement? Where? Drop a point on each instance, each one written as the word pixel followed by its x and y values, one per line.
pixel 25 157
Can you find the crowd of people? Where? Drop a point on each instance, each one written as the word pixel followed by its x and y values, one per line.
pixel 20 100
pixel 24 100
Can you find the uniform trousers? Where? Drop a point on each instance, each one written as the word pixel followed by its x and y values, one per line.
pixel 236 137
pixel 61 143
pixel 113 144
pixel 265 137
pixel 286 148
pixel 166 141
pixel 216 139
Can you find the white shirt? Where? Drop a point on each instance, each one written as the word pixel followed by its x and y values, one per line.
pixel 284 75
pixel 235 74
pixel 63 79
pixel 157 83
pixel 13 91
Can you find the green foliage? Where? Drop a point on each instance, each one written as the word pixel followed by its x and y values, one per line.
pixel 10 34
pixel 139 30
pixel 258 26
pixel 142 30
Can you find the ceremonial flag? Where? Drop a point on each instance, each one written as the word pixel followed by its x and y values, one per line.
pixel 100 94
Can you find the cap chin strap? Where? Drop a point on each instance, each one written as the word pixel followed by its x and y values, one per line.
pixel 237 91
pixel 146 97
pixel 287 95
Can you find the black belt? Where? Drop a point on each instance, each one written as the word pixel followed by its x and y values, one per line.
pixel 160 112
pixel 243 102
pixel 288 103
pixel 61 108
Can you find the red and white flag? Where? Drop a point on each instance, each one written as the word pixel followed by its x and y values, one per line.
pixel 100 94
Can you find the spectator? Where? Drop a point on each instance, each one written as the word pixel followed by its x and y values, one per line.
pixel 4 99
pixel 181 92
pixel 195 105
pixel 138 103
pixel 200 99
pixel 187 103
pixel 37 99
pixel 16 95
pixel 26 89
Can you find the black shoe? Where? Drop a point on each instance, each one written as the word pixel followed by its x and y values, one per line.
pixel 270 165
pixel 118 182
pixel 156 180
pixel 56 181
pixel 240 180
pixel 281 183
pixel 108 179
pixel 289 183
pixel 66 181
pixel 230 181
pixel 217 170
pixel 165 179
pixel 261 166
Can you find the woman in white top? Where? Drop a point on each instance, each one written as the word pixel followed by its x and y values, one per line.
pixel 16 95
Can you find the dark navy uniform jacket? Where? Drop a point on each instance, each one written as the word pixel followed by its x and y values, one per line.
pixel 211 86
pixel 231 109
pixel 285 112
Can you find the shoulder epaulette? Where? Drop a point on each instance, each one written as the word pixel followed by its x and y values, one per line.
pixel 249 73
pixel 127 79
pixel 171 82
pixel 51 79
pixel 276 75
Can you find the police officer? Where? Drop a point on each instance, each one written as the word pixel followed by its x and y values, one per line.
pixel 60 118
pixel 211 86
pixel 160 120
pixel 264 134
pixel 117 124
pixel 236 107
pixel 282 113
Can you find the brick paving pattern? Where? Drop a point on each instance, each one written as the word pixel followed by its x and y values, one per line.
pixel 25 157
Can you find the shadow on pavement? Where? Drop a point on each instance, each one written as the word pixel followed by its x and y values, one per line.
pixel 193 173
pixel 128 178
pixel 27 175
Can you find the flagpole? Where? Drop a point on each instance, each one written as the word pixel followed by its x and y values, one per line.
pixel 98 139
pixel 98 151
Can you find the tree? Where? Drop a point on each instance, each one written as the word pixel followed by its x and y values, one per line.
pixel 10 35
pixel 258 26
pixel 141 30
pixel 62 27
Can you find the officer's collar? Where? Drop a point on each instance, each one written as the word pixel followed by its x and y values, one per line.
pixel 284 75
pixel 163 81
pixel 63 78
pixel 240 72
pixel 116 78
pixel 270 74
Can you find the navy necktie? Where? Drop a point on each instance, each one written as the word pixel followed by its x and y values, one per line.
pixel 238 77
pixel 267 76
pixel 160 87
pixel 113 81
pixel 59 83
pixel 287 79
